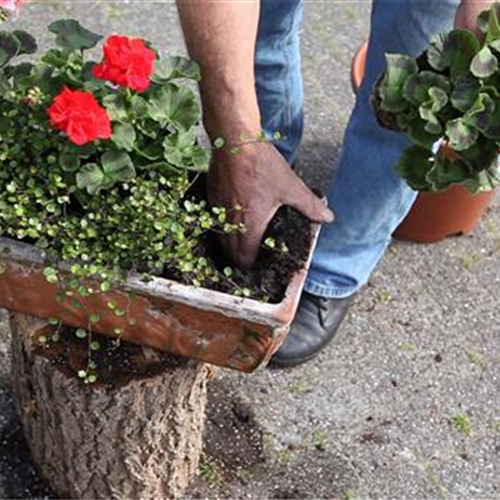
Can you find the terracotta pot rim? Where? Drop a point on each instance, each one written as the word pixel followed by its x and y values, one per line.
pixel 358 63
pixel 273 315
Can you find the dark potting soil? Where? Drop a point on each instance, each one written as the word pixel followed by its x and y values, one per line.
pixel 274 268
pixel 116 363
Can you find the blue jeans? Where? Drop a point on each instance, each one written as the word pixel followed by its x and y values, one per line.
pixel 367 196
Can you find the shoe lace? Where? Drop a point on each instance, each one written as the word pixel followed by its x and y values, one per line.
pixel 320 302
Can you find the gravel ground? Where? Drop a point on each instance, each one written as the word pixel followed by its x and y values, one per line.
pixel 408 405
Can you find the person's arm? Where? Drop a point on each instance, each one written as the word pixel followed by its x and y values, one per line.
pixel 468 11
pixel 221 36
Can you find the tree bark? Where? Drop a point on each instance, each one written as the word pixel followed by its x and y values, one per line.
pixel 139 440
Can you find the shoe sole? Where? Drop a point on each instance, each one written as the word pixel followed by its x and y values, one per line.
pixel 276 363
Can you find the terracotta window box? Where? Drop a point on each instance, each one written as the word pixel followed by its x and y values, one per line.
pixel 194 322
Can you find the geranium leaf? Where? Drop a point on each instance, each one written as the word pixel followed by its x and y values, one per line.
pixel 4 83
pixel 461 136
pixel 9 47
pixel 413 166
pixel 480 113
pixel 27 42
pixel 416 88
pixel 481 155
pixel 419 134
pixel 484 63
pixel 488 23
pixel 453 51
pixel 464 93
pixel 90 177
pixel 444 173
pixel 484 180
pixel 117 166
pixel 115 106
pixel 176 67
pixel 390 87
pixel 70 34
pixel 175 105
pixel 124 136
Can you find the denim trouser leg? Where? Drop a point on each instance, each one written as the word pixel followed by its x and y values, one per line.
pixel 278 75
pixel 367 196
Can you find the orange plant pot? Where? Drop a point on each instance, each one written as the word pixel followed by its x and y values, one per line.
pixel 434 216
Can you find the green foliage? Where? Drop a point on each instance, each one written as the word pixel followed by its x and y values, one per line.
pixel 447 98
pixel 462 423
pixel 70 34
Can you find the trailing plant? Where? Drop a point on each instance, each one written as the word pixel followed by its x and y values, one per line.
pixel 447 102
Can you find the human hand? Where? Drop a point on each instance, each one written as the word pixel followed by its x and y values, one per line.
pixel 468 12
pixel 258 180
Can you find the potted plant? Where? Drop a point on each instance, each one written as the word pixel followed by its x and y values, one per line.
pixel 445 101
pixel 99 225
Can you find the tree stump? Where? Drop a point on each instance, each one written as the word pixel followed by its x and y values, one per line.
pixel 140 438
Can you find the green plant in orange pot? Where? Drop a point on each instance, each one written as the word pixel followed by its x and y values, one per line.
pixel 447 102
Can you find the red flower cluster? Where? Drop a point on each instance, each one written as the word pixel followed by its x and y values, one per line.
pixel 127 62
pixel 79 115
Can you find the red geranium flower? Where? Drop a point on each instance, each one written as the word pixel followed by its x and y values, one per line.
pixel 127 62
pixel 79 115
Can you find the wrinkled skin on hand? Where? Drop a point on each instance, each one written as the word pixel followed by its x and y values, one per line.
pixel 259 181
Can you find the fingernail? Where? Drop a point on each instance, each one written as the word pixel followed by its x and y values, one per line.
pixel 329 216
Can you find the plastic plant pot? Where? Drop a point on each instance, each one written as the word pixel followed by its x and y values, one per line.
pixel 434 216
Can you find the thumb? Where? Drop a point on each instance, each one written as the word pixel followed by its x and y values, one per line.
pixel 307 203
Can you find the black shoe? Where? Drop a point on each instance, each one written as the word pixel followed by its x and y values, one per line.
pixel 315 325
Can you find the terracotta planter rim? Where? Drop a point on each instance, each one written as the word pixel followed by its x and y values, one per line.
pixel 273 315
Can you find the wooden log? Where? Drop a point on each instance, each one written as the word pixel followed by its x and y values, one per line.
pixel 139 439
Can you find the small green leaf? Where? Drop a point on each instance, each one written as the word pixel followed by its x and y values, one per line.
pixel 219 143
pixel 69 162
pixel 81 333
pixel 94 318
pixel 270 243
pixel 50 275
pixel 480 114
pixel 72 35
pixel 94 345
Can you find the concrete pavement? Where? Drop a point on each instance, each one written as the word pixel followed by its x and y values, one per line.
pixel 408 405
